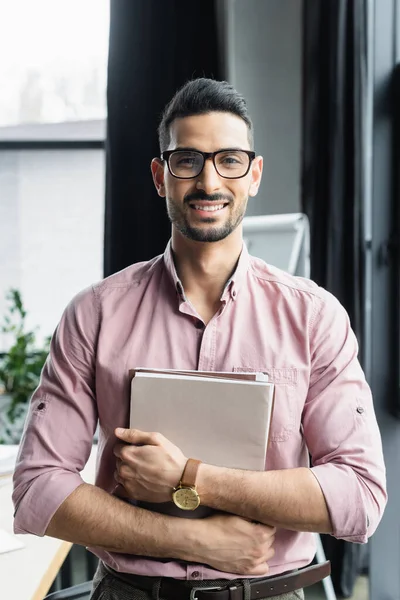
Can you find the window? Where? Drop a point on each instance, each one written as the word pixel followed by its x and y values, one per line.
pixel 53 69
pixel 53 60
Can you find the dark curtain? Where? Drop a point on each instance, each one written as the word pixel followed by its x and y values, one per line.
pixel 334 80
pixel 155 47
pixel 334 93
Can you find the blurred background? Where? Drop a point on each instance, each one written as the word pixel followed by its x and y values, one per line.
pixel 83 84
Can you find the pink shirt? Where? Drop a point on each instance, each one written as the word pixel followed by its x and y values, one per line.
pixel 269 321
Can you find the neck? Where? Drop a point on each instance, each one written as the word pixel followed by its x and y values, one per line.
pixel 205 267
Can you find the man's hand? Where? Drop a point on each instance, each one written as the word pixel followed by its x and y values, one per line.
pixel 234 545
pixel 148 465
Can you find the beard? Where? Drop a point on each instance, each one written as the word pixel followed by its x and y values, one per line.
pixel 179 215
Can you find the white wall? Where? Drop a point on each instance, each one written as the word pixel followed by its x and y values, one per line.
pixel 263 44
pixel 51 228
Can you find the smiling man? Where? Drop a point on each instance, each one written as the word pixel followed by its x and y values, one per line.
pixel 209 203
pixel 205 304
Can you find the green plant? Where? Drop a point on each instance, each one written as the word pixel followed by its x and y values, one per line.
pixel 21 365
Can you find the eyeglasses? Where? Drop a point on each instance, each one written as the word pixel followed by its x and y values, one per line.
pixel 230 164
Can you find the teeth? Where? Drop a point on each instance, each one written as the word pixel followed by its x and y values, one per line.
pixel 209 208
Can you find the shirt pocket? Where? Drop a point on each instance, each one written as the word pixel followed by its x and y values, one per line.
pixel 284 415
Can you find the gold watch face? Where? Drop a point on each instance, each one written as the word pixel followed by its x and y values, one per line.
pixel 186 498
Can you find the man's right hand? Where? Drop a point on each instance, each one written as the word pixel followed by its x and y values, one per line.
pixel 235 545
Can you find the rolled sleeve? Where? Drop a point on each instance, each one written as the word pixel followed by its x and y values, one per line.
pixel 340 428
pixel 61 420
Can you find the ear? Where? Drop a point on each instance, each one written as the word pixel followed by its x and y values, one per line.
pixel 256 174
pixel 157 171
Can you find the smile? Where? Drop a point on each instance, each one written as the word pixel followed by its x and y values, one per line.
pixel 207 207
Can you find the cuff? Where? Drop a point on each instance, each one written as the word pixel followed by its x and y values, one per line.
pixel 40 502
pixel 344 500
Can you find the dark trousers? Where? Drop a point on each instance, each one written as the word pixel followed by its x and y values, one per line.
pixel 110 585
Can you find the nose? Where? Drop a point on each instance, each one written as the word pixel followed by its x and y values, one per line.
pixel 208 180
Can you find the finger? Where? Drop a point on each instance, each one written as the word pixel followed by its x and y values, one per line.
pixel 260 570
pixel 122 473
pixel 126 452
pixel 117 450
pixel 137 437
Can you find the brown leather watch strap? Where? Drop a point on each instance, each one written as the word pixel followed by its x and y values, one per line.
pixel 189 474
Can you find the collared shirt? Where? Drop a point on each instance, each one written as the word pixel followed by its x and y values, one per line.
pixel 269 321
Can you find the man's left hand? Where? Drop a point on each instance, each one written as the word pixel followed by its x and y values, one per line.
pixel 148 465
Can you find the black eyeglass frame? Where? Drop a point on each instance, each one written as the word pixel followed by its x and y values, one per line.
pixel 206 155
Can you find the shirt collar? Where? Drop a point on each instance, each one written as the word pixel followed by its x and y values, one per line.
pixel 232 286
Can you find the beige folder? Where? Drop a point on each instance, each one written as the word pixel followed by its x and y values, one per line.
pixel 218 417
pixel 222 420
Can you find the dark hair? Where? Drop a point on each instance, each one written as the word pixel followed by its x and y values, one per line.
pixel 199 97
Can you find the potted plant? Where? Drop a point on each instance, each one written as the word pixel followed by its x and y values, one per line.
pixel 20 369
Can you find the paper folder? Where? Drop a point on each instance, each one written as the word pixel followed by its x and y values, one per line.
pixel 223 419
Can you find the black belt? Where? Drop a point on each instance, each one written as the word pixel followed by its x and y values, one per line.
pixel 175 589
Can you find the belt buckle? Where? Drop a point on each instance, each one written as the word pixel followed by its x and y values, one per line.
pixel 202 589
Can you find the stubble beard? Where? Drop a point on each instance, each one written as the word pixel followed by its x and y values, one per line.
pixel 179 219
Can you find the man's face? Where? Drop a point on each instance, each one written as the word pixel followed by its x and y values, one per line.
pixel 189 200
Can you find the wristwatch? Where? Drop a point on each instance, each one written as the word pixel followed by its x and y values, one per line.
pixel 185 495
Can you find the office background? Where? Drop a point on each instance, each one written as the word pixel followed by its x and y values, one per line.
pixel 77 200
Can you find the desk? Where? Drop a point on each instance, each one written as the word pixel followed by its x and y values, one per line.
pixel 27 574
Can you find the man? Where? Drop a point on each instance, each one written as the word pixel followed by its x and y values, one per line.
pixel 207 305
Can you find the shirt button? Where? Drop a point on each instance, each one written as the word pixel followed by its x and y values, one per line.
pixel 41 406
pixel 195 575
pixel 360 410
